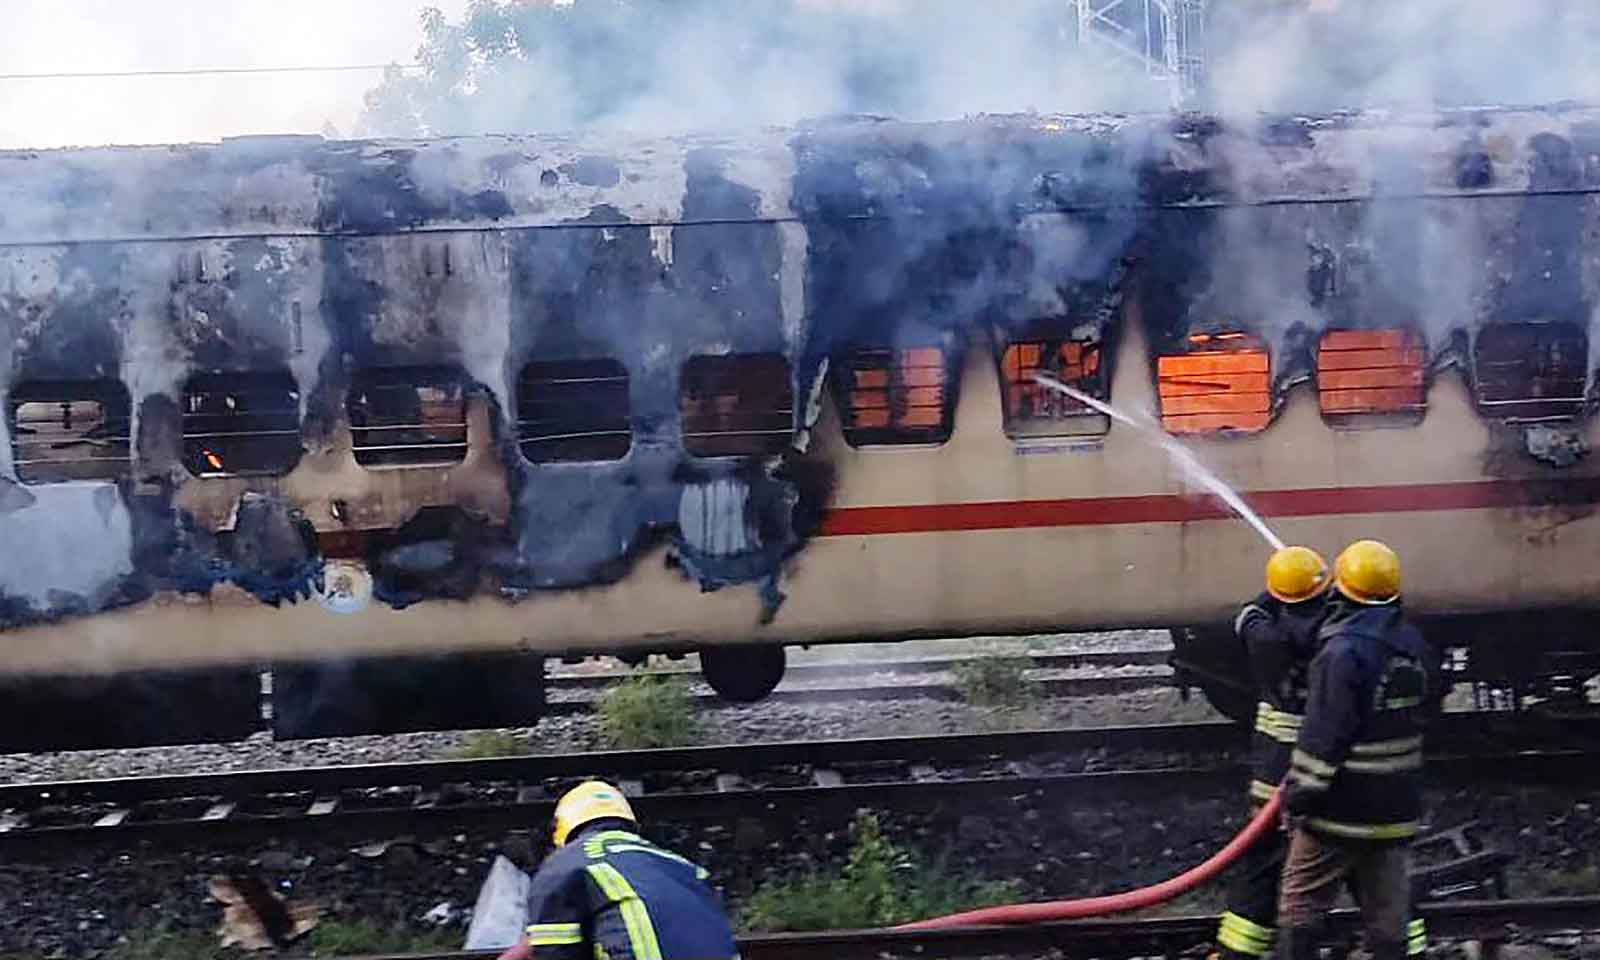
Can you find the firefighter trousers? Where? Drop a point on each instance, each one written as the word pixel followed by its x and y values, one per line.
pixel 1376 873
pixel 1249 925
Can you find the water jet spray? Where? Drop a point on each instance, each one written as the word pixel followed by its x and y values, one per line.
pixel 1177 451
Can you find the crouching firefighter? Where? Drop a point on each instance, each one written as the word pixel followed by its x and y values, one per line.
pixel 1353 799
pixel 606 893
pixel 1278 630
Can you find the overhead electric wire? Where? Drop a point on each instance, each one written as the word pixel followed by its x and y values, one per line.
pixel 206 71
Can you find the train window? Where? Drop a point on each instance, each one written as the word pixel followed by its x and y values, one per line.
pixel 896 396
pixel 1531 371
pixel 1033 410
pixel 241 424
pixel 408 416
pixel 1363 372
pixel 1219 384
pixel 69 430
pixel 573 410
pixel 738 405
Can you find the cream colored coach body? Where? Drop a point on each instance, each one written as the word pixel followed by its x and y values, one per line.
pixel 849 587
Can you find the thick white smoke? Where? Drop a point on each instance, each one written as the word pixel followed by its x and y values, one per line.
pixel 654 67
pixel 1317 55
pixel 650 66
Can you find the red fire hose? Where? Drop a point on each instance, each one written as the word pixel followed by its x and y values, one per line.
pixel 1265 819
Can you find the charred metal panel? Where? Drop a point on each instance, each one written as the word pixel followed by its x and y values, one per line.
pixel 651 297
pixel 140 709
pixel 406 694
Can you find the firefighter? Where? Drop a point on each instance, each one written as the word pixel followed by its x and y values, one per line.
pixel 606 892
pixel 1353 799
pixel 1278 629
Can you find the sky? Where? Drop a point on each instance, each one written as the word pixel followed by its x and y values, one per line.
pixel 101 35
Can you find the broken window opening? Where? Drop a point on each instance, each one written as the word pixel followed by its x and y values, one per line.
pixel 70 430
pixel 1222 384
pixel 739 405
pixel 241 424
pixel 1528 372
pixel 896 396
pixel 574 410
pixel 408 416
pixel 1365 374
pixel 1034 410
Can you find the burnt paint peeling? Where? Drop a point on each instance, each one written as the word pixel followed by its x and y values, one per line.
pixel 481 255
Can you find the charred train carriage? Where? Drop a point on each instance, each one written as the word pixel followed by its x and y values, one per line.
pixel 396 420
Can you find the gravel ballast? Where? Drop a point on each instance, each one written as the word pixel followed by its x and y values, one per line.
pixel 78 900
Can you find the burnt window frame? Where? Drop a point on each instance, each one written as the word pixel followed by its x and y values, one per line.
pixel 1059 424
pixel 1519 410
pixel 769 431
pixel 252 381
pixel 1404 416
pixel 109 392
pixel 418 377
pixel 608 438
pixel 850 363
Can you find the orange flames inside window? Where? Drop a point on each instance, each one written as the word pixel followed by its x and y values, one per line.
pixel 1075 364
pixel 1221 384
pixel 899 390
pixel 1370 371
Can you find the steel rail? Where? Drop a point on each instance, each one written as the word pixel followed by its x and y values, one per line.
pixel 400 810
pixel 1461 733
pixel 1486 921
pixel 726 758
pixel 519 809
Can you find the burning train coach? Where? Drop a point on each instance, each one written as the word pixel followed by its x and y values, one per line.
pixel 394 421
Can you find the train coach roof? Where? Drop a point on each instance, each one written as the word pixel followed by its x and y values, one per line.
pixel 297 186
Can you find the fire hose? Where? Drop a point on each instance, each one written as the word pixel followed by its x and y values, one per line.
pixel 1021 913
pixel 1265 819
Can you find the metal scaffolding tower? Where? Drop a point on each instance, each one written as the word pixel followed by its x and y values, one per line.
pixel 1164 38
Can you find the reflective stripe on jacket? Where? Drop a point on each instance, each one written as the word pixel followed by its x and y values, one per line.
pixel 1280 640
pixel 1356 770
pixel 611 893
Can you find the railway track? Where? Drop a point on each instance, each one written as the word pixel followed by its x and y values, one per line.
pixel 1489 922
pixel 698 783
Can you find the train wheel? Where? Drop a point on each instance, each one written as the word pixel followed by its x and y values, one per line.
pixel 743 674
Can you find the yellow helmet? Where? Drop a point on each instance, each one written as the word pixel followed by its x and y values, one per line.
pixel 1368 572
pixel 586 803
pixel 1296 573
